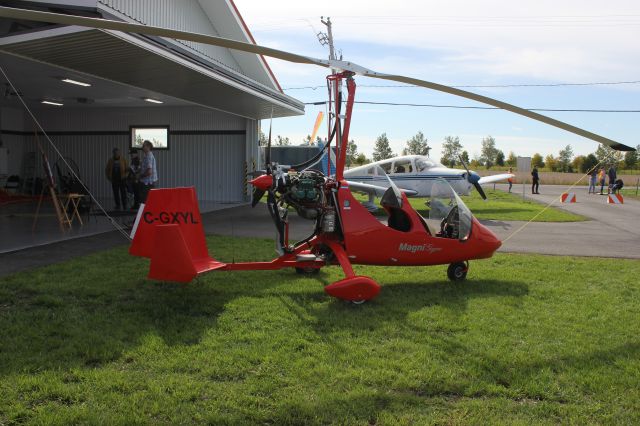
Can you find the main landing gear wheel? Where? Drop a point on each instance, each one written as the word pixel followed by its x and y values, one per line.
pixel 308 271
pixel 358 302
pixel 458 271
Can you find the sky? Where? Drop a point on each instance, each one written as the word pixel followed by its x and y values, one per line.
pixel 462 43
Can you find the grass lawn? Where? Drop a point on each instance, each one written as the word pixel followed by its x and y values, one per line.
pixel 526 339
pixel 500 205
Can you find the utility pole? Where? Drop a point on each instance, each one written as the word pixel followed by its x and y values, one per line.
pixel 327 38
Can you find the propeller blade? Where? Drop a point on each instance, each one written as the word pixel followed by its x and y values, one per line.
pixel 503 105
pixel 480 190
pixel 464 165
pixel 257 196
pixel 31 15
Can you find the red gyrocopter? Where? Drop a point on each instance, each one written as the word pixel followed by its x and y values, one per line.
pixel 168 230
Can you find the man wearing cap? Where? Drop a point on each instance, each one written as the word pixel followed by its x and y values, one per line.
pixel 116 173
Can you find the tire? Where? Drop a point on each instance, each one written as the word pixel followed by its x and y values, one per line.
pixel 308 271
pixel 458 271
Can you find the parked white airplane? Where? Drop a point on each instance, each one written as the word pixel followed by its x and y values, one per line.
pixel 415 175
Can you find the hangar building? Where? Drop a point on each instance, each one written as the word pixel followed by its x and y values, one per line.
pixel 205 101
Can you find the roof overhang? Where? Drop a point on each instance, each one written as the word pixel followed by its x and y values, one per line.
pixel 151 64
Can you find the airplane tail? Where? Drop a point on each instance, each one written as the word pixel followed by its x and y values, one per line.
pixel 168 230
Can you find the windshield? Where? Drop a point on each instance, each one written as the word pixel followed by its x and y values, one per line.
pixel 424 163
pixel 447 207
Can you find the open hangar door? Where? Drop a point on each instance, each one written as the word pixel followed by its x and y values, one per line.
pixel 206 148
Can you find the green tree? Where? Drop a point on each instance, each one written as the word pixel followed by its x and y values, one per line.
pixel 352 152
pixel 551 163
pixel 630 159
pixel 465 157
pixel 536 161
pixel 488 152
pixel 512 160
pixel 417 145
pixel 589 163
pixel 382 149
pixel 608 156
pixel 361 159
pixel 564 159
pixel 577 164
pixel 280 141
pixel 451 149
pixel 500 158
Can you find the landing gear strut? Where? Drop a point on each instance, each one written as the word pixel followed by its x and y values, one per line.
pixel 458 271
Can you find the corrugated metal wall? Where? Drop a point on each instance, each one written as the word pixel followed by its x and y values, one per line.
pixel 214 164
pixel 184 15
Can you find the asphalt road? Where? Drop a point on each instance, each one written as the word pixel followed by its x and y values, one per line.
pixel 612 231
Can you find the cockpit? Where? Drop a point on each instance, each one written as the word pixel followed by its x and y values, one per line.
pixel 425 163
pixel 448 213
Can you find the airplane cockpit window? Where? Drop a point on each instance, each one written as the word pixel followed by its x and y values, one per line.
pixel 386 167
pixel 445 206
pixel 402 166
pixel 423 164
pixel 371 171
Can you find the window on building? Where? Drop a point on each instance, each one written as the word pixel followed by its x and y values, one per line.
pixel 157 135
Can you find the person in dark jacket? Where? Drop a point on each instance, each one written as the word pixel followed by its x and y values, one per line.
pixel 535 181
pixel 117 173
pixel 612 177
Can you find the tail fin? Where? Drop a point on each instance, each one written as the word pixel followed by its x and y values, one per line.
pixel 168 230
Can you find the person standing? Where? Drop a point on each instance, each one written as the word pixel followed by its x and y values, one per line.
pixel 116 173
pixel 148 171
pixel 602 177
pixel 535 181
pixel 510 180
pixel 612 177
pixel 133 178
pixel 592 181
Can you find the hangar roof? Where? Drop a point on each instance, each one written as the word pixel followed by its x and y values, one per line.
pixel 235 82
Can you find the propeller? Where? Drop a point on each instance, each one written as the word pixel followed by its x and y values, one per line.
pixel 105 24
pixel 474 179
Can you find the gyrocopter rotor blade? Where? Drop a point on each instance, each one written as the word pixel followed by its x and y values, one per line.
pixel 30 15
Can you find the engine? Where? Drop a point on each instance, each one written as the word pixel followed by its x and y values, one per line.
pixel 305 192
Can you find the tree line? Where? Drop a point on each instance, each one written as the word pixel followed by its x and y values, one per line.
pixel 490 155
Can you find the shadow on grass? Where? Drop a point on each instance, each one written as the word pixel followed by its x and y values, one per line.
pixel 67 325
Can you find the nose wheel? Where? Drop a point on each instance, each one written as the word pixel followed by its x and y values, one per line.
pixel 458 271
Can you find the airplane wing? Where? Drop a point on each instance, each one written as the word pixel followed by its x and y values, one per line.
pixel 375 189
pixel 495 178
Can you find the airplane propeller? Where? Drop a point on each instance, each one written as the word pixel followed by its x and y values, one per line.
pixel 474 179
pixel 105 24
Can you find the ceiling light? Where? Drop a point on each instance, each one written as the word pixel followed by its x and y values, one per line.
pixel 52 103
pixel 76 82
pixel 153 101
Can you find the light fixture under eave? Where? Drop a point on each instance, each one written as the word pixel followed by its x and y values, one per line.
pixel 76 82
pixel 52 103
pixel 153 101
